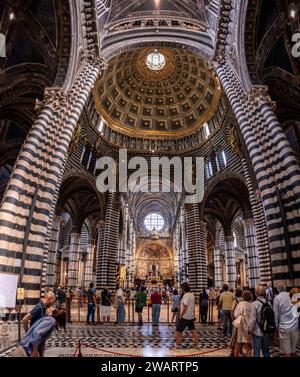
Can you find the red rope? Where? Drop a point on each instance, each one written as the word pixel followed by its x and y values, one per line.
pixel 128 355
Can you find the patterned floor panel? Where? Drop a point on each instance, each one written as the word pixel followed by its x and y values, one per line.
pixel 113 340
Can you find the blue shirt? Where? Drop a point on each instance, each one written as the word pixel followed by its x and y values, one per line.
pixel 38 312
pixel 38 334
pixel 176 301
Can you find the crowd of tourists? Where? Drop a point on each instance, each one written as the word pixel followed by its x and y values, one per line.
pixel 249 318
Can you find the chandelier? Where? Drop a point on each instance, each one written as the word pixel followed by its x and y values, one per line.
pixel 155 60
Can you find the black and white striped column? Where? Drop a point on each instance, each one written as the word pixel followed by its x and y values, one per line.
pixel 252 252
pixel 51 274
pixel 99 251
pixel 89 276
pixel 276 169
pixel 230 260
pixel 74 254
pixel 262 238
pixel 196 242
pixel 107 260
pixel 25 213
pixel 218 267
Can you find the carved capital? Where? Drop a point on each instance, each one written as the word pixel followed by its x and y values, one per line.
pixel 55 98
pixel 97 60
pixel 259 96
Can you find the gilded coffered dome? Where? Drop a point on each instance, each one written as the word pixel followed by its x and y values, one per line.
pixel 163 92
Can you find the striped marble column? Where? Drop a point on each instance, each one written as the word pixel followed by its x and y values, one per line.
pixel 218 267
pixel 251 247
pixel 52 254
pixel 262 239
pixel 89 263
pixel 27 207
pixel 74 258
pixel 99 250
pixel 107 260
pixel 276 170
pixel 230 260
pixel 196 242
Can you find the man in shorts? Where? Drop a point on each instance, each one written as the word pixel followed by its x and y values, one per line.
pixel 187 315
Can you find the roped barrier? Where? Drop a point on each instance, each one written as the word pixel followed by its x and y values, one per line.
pixel 117 353
pixel 76 310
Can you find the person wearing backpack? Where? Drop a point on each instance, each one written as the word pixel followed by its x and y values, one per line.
pixel 286 322
pixel 262 323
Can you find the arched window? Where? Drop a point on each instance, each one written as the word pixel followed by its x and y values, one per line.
pixel 206 130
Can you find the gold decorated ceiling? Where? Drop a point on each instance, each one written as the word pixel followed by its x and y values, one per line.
pixel 172 102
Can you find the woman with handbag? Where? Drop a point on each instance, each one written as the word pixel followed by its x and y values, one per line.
pixel 240 335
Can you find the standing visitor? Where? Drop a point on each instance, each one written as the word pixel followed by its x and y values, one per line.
pixel 237 299
pixel 141 301
pixel 259 326
pixel 156 304
pixel 106 305
pixel 286 322
pixel 79 294
pixel 175 306
pixel 219 307
pixel 240 335
pixel 91 305
pixel 61 296
pixel 120 305
pixel 39 310
pixel 204 301
pixel 226 301
pixel 187 315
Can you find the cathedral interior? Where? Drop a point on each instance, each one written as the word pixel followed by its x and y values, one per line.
pixel 84 79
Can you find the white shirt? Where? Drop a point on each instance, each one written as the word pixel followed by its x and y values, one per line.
pixel 120 294
pixel 284 317
pixel 189 300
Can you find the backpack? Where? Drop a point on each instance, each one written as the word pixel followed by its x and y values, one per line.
pixel 267 318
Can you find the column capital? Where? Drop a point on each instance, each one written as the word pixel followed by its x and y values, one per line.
pixel 259 95
pixel 54 97
pixel 249 222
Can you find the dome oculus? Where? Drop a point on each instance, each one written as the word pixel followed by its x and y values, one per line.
pixel 155 61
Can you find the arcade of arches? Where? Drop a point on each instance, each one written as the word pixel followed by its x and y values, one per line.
pixel 201 78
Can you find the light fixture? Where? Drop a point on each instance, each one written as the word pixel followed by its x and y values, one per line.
pixel 11 16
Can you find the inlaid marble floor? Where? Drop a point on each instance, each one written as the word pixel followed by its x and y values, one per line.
pixel 127 340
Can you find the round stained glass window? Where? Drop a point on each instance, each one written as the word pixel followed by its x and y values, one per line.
pixel 154 220
pixel 156 61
